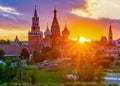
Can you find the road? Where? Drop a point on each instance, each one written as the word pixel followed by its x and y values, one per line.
pixel 113 78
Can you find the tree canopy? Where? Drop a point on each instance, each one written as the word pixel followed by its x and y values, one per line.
pixel 2 53
pixel 24 54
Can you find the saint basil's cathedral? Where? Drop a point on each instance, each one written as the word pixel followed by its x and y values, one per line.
pixel 52 37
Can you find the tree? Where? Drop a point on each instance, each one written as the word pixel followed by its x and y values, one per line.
pixel 2 73
pixel 24 54
pixel 1 53
pixel 105 61
pixel 46 49
pixel 64 70
pixel 2 41
pixel 33 76
pixel 87 72
pixel 6 73
pixel 100 74
pixel 36 56
pixel 55 53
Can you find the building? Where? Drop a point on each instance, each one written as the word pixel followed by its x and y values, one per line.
pixel 110 47
pixel 35 36
pixel 52 38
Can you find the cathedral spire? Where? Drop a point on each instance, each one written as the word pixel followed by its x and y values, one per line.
pixel 110 34
pixel 47 26
pixel 35 13
pixel 55 12
pixel 65 24
pixel 55 21
pixel 55 24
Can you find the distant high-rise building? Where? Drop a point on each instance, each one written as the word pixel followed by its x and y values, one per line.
pixel 35 35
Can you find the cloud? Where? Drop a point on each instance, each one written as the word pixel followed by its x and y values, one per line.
pixel 97 9
pixel 9 12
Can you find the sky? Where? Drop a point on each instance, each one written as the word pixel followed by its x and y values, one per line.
pixel 86 18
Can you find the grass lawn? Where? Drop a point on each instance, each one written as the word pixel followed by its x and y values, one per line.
pixel 54 78
pixel 47 76
pixel 50 78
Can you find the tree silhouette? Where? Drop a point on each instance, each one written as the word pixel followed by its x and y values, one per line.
pixel 24 54
pixel 1 53
pixel 100 74
pixel 36 56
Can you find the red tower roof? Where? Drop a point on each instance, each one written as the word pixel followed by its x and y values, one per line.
pixel 65 31
pixel 35 13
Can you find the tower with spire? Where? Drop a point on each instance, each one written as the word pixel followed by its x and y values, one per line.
pixel 55 29
pixel 110 37
pixel 35 35
pixel 17 43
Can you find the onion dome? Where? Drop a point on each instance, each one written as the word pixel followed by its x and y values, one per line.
pixel 65 31
pixel 47 32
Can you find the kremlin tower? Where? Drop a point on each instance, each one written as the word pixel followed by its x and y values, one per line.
pixel 35 35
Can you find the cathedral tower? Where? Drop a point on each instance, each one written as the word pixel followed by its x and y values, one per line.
pixel 55 29
pixel 110 35
pixel 35 35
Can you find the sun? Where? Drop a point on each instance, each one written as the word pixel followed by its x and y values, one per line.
pixel 83 39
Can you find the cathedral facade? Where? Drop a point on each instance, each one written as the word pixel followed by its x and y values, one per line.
pixel 110 47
